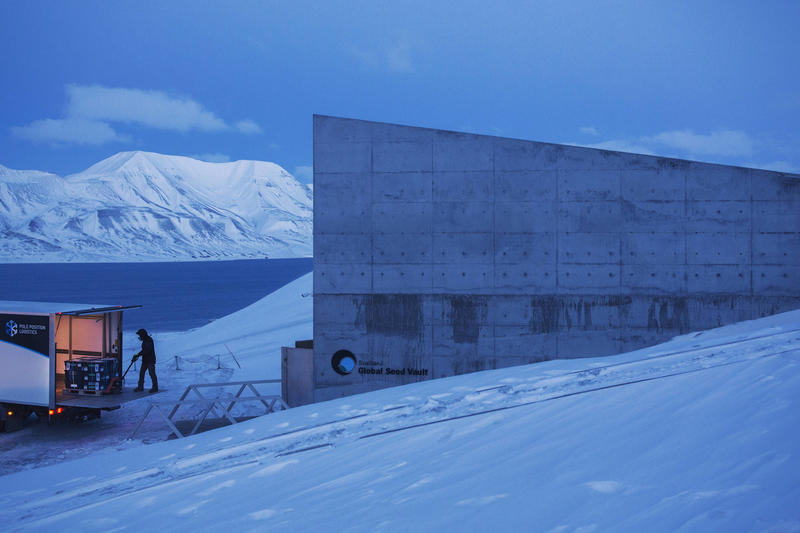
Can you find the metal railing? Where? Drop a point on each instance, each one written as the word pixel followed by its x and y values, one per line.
pixel 222 404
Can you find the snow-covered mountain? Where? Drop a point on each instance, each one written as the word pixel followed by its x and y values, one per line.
pixel 142 206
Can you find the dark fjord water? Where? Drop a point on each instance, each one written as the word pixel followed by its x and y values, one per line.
pixel 175 296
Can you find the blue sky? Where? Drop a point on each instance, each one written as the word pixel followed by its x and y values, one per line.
pixel 704 80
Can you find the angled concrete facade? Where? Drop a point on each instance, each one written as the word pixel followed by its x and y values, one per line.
pixel 438 253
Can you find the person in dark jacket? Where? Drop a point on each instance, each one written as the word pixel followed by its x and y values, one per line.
pixel 148 355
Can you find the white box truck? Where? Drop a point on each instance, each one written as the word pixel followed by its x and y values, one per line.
pixel 36 340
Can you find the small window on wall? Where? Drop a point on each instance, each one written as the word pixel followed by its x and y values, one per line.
pixel 343 362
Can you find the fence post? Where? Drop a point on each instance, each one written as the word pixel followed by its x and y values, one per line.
pixel 176 363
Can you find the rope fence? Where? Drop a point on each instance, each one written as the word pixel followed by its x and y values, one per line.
pixel 226 361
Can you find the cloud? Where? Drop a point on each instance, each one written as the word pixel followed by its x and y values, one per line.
pixel 684 144
pixel 304 172
pixel 92 109
pixel 212 158
pixel 721 142
pixel 778 166
pixel 588 130
pixel 70 130
pixel 620 145
pixel 248 127
pixel 397 56
pixel 153 109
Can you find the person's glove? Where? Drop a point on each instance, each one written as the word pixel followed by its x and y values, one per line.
pixel 135 357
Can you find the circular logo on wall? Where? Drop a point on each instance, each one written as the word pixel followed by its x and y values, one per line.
pixel 11 328
pixel 343 362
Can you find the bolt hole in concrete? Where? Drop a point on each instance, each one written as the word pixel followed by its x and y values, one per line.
pixel 343 362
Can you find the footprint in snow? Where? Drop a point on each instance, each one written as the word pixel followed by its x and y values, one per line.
pixel 211 490
pixel 193 508
pixel 273 468
pixel 481 500
pixel 605 487
pixel 263 514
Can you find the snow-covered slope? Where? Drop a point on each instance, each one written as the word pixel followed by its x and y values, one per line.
pixel 139 206
pixel 697 434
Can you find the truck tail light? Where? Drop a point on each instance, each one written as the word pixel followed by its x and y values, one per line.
pixel 59 410
pixel 51 412
pixel 11 413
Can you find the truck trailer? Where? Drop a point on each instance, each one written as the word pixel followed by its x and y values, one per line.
pixel 43 346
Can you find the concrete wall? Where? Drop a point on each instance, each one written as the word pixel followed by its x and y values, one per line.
pixel 438 253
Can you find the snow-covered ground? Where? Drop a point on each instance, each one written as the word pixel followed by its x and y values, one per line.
pixel 697 434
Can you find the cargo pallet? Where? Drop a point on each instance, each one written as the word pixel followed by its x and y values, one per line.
pixel 89 392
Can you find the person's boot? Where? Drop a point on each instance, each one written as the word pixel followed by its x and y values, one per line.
pixel 154 389
pixel 138 389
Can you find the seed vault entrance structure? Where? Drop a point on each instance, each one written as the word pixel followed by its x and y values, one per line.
pixel 438 253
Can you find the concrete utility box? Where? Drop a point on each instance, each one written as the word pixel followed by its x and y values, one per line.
pixel 297 371
pixel 438 253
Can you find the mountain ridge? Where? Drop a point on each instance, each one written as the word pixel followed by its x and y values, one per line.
pixel 145 206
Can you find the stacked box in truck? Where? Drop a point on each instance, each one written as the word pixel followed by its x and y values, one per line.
pixel 90 374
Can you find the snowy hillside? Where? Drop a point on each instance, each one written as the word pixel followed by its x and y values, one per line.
pixel 697 434
pixel 140 206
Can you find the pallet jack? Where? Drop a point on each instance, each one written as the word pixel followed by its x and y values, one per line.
pixel 112 383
